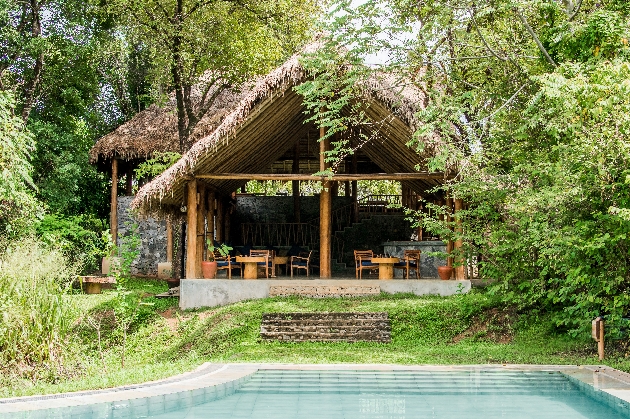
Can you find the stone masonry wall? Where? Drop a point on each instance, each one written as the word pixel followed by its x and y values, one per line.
pixel 326 327
pixel 153 236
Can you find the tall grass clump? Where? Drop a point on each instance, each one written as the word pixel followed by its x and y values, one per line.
pixel 34 311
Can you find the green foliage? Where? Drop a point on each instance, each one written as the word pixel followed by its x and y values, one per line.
pixel 223 249
pixel 164 341
pixel 157 164
pixel 79 237
pixel 36 313
pixel 528 103
pixel 18 206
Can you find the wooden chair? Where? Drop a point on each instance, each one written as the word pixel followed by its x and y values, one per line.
pixel 363 260
pixel 268 264
pixel 227 262
pixel 301 262
pixel 410 261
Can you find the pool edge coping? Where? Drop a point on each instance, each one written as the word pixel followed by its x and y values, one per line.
pixel 601 382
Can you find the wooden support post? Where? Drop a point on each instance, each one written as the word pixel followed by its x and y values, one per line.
pixel 597 333
pixel 227 221
pixel 211 213
pixel 295 184
pixel 113 220
pixel 325 214
pixel 169 241
pixel 219 223
pixel 449 244
pixel 459 270
pixel 334 188
pixel 244 188
pixel 191 230
pixel 129 182
pixel 355 191
pixel 201 227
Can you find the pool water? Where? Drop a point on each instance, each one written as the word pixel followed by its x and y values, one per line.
pixel 281 394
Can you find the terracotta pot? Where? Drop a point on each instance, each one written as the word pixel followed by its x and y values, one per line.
pixel 445 272
pixel 172 282
pixel 209 269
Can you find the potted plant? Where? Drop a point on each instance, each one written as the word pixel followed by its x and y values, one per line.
pixel 445 272
pixel 209 267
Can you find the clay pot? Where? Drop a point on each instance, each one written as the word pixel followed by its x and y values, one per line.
pixel 209 269
pixel 445 272
pixel 172 282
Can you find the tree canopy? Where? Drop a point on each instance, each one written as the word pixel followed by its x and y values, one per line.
pixel 528 103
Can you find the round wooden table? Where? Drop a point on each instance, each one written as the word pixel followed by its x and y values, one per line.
pixel 251 265
pixel 385 266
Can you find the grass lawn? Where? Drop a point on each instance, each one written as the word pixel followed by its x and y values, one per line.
pixel 465 329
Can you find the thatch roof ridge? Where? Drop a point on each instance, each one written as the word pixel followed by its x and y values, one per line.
pixel 405 102
pixel 281 78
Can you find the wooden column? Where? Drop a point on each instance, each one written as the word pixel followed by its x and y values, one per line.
pixel 210 217
pixel 325 214
pixel 169 241
pixel 459 270
pixel 219 220
pixel 334 188
pixel 129 182
pixel 227 221
pixel 295 184
pixel 355 191
pixel 191 230
pixel 449 244
pixel 201 227
pixel 113 219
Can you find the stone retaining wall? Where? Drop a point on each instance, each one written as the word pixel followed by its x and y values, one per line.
pixel 326 327
pixel 152 234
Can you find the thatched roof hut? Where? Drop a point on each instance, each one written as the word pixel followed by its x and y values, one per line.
pixel 247 132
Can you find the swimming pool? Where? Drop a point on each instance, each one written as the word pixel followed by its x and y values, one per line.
pixel 368 394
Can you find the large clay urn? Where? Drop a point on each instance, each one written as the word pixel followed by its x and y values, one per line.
pixel 209 269
pixel 445 272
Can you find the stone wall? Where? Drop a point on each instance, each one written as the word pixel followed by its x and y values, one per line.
pixel 369 234
pixel 326 327
pixel 428 263
pixel 153 236
pixel 279 209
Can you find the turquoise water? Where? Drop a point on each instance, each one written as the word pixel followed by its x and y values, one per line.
pixel 282 394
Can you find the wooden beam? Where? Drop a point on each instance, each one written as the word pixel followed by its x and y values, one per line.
pixel 295 184
pixel 459 270
pixel 169 241
pixel 210 217
pixel 338 178
pixel 219 220
pixel 201 225
pixel 355 191
pixel 449 219
pixel 113 219
pixel 325 213
pixel 191 230
pixel 129 182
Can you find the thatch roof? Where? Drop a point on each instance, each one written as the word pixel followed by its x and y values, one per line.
pixel 266 122
pixel 155 129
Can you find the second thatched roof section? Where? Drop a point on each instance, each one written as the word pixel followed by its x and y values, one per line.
pixel 261 123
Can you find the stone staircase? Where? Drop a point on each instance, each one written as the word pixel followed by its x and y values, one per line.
pixel 326 327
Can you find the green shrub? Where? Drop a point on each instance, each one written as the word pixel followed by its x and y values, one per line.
pixel 79 237
pixel 34 279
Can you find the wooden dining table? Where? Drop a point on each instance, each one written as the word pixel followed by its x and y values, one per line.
pixel 385 266
pixel 251 265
